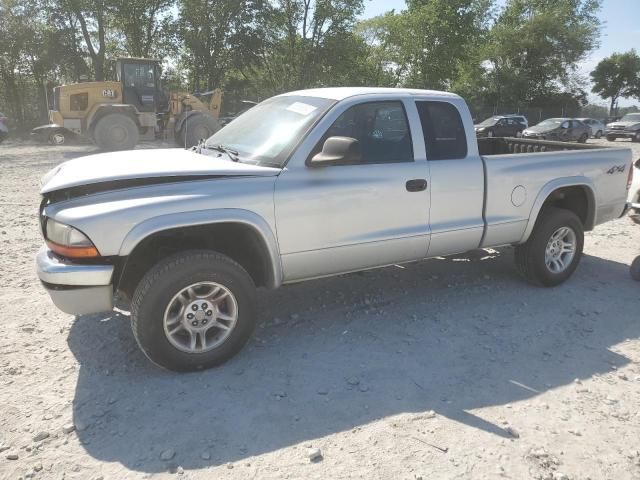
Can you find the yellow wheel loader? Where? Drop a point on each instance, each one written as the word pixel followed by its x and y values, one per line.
pixel 115 115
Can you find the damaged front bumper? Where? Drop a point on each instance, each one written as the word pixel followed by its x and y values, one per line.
pixel 75 288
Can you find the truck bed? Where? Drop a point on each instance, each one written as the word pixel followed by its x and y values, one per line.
pixel 519 172
pixel 504 146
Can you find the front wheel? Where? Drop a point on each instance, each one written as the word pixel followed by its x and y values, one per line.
pixel 553 250
pixel 583 138
pixel 197 127
pixel 611 139
pixel 598 134
pixel 193 310
pixel 116 131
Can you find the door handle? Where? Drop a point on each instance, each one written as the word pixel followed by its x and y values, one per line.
pixel 416 185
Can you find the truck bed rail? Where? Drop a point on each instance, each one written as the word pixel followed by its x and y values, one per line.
pixel 503 146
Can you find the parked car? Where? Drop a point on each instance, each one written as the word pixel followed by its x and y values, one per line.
pixel 519 118
pixel 634 194
pixel 246 105
pixel 627 127
pixel 4 127
pixel 499 127
pixel 597 127
pixel 559 129
pixel 305 185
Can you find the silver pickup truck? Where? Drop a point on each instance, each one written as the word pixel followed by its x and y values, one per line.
pixel 305 185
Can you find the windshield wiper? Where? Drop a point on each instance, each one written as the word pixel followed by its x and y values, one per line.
pixel 218 147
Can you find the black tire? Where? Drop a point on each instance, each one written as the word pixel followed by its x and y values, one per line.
pixel 598 134
pixel 530 256
pixel 197 127
pixel 583 138
pixel 116 131
pixel 611 139
pixel 636 137
pixel 57 138
pixel 167 278
pixel 635 269
pixel 179 138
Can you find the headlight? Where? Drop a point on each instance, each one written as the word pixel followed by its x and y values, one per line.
pixel 68 241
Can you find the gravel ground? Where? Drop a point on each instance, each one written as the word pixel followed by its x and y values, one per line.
pixel 450 368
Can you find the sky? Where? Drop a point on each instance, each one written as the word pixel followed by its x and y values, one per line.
pixel 620 32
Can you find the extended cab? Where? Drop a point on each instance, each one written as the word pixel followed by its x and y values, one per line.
pixel 305 185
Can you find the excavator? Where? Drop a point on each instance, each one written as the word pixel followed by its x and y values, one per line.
pixel 116 115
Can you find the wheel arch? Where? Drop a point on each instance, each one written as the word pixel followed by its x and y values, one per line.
pixel 240 234
pixel 576 194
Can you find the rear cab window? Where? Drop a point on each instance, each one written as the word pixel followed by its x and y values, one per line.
pixel 444 134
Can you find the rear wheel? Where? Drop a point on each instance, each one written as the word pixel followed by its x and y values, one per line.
pixel 116 131
pixel 553 250
pixel 57 138
pixel 583 138
pixel 610 138
pixel 196 128
pixel 193 310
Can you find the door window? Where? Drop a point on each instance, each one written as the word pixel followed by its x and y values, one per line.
pixel 381 128
pixel 444 134
pixel 139 75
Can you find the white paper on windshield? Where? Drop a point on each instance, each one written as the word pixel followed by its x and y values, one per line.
pixel 301 108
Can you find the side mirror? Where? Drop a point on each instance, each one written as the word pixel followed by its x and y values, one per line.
pixel 343 150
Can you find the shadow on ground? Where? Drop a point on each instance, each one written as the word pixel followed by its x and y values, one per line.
pixel 443 335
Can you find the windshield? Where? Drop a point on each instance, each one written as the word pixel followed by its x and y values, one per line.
pixel 267 133
pixel 489 121
pixel 631 117
pixel 551 122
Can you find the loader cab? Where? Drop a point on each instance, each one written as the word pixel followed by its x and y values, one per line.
pixel 141 86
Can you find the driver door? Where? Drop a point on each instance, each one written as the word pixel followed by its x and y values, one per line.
pixel 345 217
pixel 566 131
pixel 139 86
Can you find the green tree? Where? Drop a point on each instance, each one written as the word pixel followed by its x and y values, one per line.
pixel 34 51
pixel 217 35
pixel 308 43
pixel 145 26
pixel 426 45
pixel 533 50
pixel 93 18
pixel 617 76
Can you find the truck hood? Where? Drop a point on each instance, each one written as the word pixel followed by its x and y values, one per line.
pixel 140 167
pixel 624 124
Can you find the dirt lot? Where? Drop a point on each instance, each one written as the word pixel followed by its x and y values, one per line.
pixel 452 368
